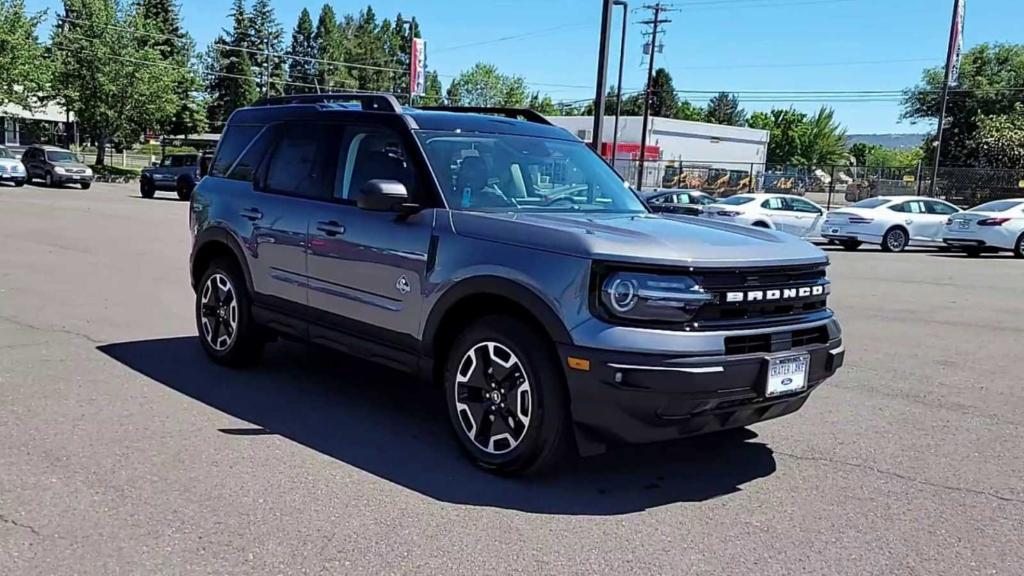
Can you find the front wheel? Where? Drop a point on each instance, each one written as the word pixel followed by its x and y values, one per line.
pixel 86 185
pixel 146 188
pixel 48 180
pixel 972 252
pixel 505 397
pixel 224 316
pixel 895 240
pixel 184 190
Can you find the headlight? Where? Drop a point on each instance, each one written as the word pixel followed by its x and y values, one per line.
pixel 651 297
pixel 88 171
pixel 58 170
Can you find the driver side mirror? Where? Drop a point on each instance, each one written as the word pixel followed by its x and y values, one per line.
pixel 385 196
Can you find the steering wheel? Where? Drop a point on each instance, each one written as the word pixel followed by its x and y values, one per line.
pixel 567 198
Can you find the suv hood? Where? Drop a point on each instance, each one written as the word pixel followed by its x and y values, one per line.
pixel 640 238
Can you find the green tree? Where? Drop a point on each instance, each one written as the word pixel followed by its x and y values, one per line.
pixel 821 140
pixel 1000 139
pixel 433 92
pixel 874 155
pixel 724 108
pixel 303 52
pixel 166 35
pixel 859 151
pixel 687 111
pixel 785 126
pixel 113 101
pixel 991 76
pixel 664 100
pixel 542 104
pixel 484 85
pixel 266 36
pixel 329 45
pixel 23 70
pixel 367 41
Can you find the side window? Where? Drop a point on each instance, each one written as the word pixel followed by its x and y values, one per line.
pixel 247 166
pixel 232 143
pixel 683 198
pixel 915 207
pixel 940 208
pixel 295 164
pixel 371 154
pixel 775 204
pixel 801 205
pixel 899 208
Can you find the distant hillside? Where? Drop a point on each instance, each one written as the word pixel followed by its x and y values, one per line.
pixel 887 140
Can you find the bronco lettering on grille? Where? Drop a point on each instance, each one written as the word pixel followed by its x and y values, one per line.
pixel 778 294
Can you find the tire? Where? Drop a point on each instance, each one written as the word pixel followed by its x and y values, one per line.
pixel 184 190
pixel 224 318
pixel 19 184
pixel 524 373
pixel 972 252
pixel 895 240
pixel 1018 247
pixel 146 188
pixel 851 245
pixel 48 180
pixel 86 185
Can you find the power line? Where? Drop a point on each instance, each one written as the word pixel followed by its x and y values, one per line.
pixel 512 37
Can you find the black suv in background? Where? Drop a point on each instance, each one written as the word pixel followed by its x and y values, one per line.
pixel 56 166
pixel 177 172
pixel 500 257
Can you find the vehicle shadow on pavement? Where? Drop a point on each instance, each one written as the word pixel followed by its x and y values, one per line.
pixel 382 422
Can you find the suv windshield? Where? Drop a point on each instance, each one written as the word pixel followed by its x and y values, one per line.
pixel 507 173
pixel 60 156
pixel 5 153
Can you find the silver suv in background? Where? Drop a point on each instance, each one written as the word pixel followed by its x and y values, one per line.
pixel 11 168
pixel 496 255
pixel 175 172
pixel 55 166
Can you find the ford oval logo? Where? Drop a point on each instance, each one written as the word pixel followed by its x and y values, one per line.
pixel 787 381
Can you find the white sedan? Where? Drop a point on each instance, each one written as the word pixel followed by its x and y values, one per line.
pixel 893 222
pixel 993 226
pixel 793 214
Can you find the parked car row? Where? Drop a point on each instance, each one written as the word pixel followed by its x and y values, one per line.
pixel 52 165
pixel 893 223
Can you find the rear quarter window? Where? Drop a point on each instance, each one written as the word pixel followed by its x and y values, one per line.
pixel 232 143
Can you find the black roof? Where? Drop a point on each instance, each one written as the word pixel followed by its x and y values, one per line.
pixel 385 110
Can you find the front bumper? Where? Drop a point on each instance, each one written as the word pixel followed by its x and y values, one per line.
pixel 72 178
pixel 630 398
pixel 16 177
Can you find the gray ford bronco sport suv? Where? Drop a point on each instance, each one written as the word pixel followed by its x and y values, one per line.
pixel 498 256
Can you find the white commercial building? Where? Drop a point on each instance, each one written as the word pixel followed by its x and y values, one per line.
pixel 679 143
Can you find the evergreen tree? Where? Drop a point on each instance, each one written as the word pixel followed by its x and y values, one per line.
pixel 266 35
pixel 166 35
pixel 433 93
pixel 302 68
pixel 724 108
pixel 664 100
pixel 328 44
pixel 230 83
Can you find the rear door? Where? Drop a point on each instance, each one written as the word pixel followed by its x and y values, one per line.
pixel 938 213
pixel 808 218
pixel 915 218
pixel 367 269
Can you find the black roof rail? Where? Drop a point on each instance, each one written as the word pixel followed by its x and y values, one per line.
pixel 369 101
pixel 513 113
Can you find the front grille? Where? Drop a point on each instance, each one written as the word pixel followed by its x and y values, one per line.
pixel 767 311
pixel 775 342
pixel 75 170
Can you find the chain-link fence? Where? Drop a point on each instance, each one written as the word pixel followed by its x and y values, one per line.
pixel 828 186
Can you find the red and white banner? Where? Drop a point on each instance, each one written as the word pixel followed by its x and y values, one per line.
pixel 956 43
pixel 417 71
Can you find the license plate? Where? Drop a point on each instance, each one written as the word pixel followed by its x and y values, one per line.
pixel 787 374
pixel 964 224
pixel 834 231
pixel 75 177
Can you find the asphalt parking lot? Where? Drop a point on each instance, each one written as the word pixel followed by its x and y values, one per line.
pixel 123 450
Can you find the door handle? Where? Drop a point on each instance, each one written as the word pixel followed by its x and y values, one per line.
pixel 330 228
pixel 253 214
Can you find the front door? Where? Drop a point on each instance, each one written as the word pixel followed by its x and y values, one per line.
pixel 782 217
pixel 938 213
pixel 367 269
pixel 807 217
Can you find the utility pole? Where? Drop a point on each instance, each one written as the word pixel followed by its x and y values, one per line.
pixel 266 69
pixel 602 73
pixel 657 8
pixel 956 39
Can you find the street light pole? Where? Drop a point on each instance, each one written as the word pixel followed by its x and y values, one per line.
pixel 602 73
pixel 618 83
pixel 952 62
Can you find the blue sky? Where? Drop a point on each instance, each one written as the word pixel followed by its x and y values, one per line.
pixel 734 45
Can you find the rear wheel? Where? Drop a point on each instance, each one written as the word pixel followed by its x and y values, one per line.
pixel 48 180
pixel 1018 247
pixel 506 397
pixel 850 244
pixel 19 183
pixel 895 240
pixel 224 316
pixel 184 189
pixel 86 185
